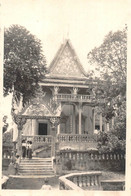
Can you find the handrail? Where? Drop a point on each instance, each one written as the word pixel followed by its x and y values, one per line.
pixel 75 97
pixel 38 138
pixel 80 181
pixel 76 138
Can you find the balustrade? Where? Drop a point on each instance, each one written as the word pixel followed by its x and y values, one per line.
pixel 72 97
pixel 38 138
pixel 84 155
pixel 75 138
pixel 80 181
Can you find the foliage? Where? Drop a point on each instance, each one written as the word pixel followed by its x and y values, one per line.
pixel 111 57
pixel 24 63
pixel 5 124
pixel 110 60
pixel 115 140
pixel 7 138
pixel 110 142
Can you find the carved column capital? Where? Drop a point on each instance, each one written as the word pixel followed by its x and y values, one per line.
pixel 56 89
pixel 54 121
pixel 75 90
pixel 19 120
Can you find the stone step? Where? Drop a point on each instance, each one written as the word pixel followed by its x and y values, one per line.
pixel 31 164
pixel 29 161
pixel 36 159
pixel 36 165
pixel 36 173
pixel 33 169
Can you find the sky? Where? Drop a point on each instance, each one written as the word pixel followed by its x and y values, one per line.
pixel 84 22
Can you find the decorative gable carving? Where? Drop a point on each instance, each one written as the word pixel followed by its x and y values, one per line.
pixel 37 110
pixel 42 110
pixel 66 63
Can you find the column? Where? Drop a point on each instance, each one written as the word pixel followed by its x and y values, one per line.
pixel 58 129
pixel 105 125
pixel 34 127
pixel 112 122
pixel 108 126
pixel 93 114
pixel 86 125
pixel 70 122
pixel 90 120
pixel 74 120
pixel 100 121
pixel 20 121
pixel 80 111
pixel 19 145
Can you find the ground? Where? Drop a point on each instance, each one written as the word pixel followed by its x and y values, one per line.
pixel 31 183
pixel 36 183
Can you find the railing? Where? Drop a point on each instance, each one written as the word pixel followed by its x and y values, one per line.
pixel 88 160
pixel 75 138
pixel 81 155
pixel 71 97
pixel 38 138
pixel 80 181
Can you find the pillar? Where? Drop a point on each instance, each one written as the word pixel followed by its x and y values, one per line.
pixel 112 122
pixel 19 144
pixel 58 129
pixel 70 121
pixel 108 126
pixel 20 121
pixel 105 126
pixel 74 120
pixel 86 125
pixel 100 121
pixel 90 120
pixel 80 111
pixel 34 127
pixel 93 114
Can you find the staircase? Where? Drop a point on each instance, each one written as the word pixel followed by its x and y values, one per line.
pixel 36 167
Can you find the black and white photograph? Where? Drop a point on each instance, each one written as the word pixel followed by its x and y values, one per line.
pixel 64 95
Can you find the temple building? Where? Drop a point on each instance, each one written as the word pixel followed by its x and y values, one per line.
pixel 64 110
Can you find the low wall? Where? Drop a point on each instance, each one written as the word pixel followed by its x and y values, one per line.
pixel 81 181
pixel 6 156
pixel 84 161
pixel 113 185
pixel 5 163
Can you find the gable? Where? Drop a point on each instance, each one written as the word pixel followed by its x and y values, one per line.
pixel 66 63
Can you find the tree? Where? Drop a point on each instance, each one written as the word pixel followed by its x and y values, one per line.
pixel 24 63
pixel 110 60
pixel 5 124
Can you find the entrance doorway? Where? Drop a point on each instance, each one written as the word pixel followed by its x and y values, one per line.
pixel 42 129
